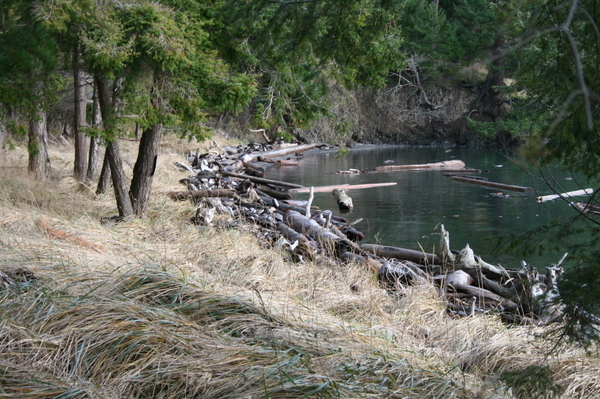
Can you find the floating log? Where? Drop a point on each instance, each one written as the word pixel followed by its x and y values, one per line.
pixel 509 187
pixel 448 172
pixel 343 200
pixel 349 172
pixel 280 152
pixel 402 254
pixel 544 198
pixel 452 164
pixel 326 189
pixel 261 180
pixel 287 162
pixel 185 195
pixel 586 208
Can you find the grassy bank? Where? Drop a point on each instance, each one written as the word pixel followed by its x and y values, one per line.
pixel 158 308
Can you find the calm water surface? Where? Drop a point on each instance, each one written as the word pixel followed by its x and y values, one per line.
pixel 406 215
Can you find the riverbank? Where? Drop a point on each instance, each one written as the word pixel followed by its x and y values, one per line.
pixel 170 308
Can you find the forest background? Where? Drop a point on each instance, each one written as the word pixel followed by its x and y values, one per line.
pixel 414 71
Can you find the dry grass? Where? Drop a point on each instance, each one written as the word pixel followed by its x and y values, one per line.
pixel 172 311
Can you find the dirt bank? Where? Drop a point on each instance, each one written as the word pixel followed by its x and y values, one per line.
pixel 392 115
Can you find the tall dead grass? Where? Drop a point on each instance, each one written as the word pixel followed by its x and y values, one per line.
pixel 171 310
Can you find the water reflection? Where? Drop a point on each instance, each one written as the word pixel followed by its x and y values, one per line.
pixel 405 215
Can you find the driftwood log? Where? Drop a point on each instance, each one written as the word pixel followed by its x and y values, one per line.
pixel 326 189
pixel 343 200
pixel 501 186
pixel 402 254
pixel 452 164
pixel 569 194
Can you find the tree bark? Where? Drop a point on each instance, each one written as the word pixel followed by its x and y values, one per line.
pixel 119 179
pixel 82 142
pixel 143 171
pixel 491 100
pixel 39 161
pixel 92 171
pixel 104 180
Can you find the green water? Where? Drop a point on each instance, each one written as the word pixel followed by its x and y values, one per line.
pixel 406 215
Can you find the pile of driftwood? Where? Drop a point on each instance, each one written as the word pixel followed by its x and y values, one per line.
pixel 232 182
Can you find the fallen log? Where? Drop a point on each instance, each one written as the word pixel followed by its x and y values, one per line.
pixel 458 277
pixel 502 186
pixel 392 274
pixel 253 170
pixel 373 264
pixel 274 193
pixel 486 295
pixel 544 198
pixel 330 242
pixel 343 200
pixel 452 164
pixel 261 180
pixel 185 195
pixel 324 189
pixel 280 152
pixel 352 233
pixel 303 244
pixel 402 254
pixel 509 288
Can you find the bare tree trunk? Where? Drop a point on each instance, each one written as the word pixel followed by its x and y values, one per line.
pixel 491 100
pixel 2 136
pixel 104 180
pixel 92 171
pixel 119 179
pixel 39 161
pixel 145 166
pixel 82 142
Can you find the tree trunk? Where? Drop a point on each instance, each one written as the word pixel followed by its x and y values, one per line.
pixel 119 179
pixel 92 171
pixel 491 100
pixel 82 142
pixel 104 180
pixel 145 166
pixel 39 162
pixel 2 137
